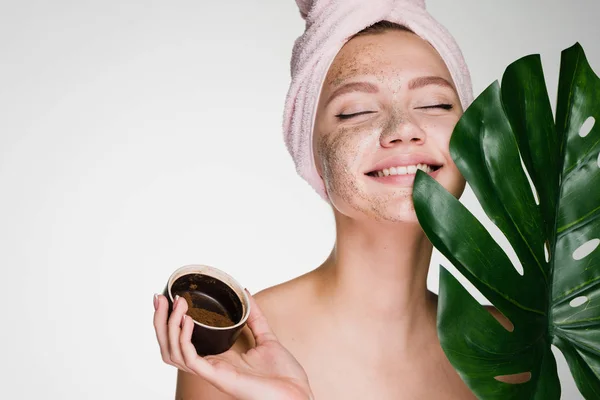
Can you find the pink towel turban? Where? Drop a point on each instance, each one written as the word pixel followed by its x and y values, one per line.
pixel 329 25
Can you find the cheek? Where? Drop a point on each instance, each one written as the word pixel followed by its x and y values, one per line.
pixel 335 153
pixel 340 156
pixel 440 134
pixel 440 131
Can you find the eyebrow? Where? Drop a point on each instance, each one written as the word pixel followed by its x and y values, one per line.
pixel 367 87
pixel 429 80
pixel 353 87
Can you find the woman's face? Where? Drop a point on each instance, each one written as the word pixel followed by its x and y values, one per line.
pixel 387 105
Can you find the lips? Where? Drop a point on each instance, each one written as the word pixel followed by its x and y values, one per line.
pixel 403 170
pixel 404 165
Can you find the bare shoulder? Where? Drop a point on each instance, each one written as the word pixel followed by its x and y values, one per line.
pixel 286 303
pixel 284 294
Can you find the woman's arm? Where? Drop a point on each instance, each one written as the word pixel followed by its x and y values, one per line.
pixel 192 387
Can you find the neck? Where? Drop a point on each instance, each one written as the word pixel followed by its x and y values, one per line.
pixel 376 276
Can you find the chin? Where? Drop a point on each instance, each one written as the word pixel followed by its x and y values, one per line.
pixel 403 211
pixel 391 210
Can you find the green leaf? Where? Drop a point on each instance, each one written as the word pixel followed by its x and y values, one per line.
pixel 507 127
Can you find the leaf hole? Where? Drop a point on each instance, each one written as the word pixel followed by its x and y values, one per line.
pixel 585 249
pixel 498 236
pixel 536 197
pixel 547 251
pixel 501 318
pixel 578 301
pixel 587 126
pixel 517 264
pixel 514 379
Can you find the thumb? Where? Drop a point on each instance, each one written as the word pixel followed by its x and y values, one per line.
pixel 258 324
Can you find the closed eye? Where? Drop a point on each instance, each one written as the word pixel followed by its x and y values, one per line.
pixel 442 106
pixel 348 116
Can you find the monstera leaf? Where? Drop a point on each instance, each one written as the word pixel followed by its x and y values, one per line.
pixel 550 214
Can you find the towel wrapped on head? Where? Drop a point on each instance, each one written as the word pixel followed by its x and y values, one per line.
pixel 329 25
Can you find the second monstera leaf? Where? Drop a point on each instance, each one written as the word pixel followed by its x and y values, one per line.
pixel 551 219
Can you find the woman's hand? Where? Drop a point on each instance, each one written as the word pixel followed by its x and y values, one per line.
pixel 268 371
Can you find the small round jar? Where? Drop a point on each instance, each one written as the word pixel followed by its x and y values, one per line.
pixel 217 299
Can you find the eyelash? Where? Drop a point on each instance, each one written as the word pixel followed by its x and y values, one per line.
pixel 442 106
pixel 447 107
pixel 348 116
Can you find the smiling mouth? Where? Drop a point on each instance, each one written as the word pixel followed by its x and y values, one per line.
pixel 403 170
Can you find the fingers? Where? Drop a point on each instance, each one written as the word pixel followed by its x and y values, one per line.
pixel 167 332
pixel 174 332
pixel 216 370
pixel 192 360
pixel 258 324
pixel 160 327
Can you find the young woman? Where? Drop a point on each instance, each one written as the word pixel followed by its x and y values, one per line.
pixel 363 324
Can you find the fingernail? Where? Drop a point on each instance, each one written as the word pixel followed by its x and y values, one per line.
pixel 155 301
pixel 175 301
pixel 183 320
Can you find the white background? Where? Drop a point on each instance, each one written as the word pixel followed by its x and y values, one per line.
pixel 137 137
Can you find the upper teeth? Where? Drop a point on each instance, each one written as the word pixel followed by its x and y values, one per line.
pixel 403 170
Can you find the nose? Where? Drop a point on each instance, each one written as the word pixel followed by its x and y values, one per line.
pixel 402 131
